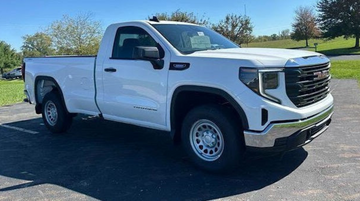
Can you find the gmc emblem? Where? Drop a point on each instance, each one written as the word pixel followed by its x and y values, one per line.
pixel 321 74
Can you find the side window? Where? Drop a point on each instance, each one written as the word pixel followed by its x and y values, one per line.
pixel 127 38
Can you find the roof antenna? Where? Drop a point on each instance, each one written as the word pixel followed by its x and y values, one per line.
pixel 154 19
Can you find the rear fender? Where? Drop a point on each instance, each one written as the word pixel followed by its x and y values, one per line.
pixel 44 85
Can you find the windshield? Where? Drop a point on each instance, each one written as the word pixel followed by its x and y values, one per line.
pixel 190 38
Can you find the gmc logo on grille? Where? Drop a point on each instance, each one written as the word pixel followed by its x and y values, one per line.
pixel 321 74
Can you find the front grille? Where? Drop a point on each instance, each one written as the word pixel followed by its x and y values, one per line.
pixel 307 84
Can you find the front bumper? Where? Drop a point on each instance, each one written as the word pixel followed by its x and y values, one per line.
pixel 283 136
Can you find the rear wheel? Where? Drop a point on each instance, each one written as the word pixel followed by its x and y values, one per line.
pixel 212 138
pixel 54 114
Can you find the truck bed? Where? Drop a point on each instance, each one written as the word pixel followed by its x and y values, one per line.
pixel 69 72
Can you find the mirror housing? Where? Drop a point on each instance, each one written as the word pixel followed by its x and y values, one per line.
pixel 151 54
pixel 146 53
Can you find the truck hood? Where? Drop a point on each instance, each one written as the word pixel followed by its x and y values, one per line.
pixel 267 56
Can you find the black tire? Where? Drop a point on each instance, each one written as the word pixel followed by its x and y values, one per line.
pixel 212 138
pixel 55 116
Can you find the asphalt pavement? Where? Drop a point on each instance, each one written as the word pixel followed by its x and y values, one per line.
pixel 344 57
pixel 102 160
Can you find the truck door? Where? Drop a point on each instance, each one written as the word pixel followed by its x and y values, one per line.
pixel 133 91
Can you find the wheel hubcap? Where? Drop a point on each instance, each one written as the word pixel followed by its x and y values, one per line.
pixel 206 140
pixel 209 139
pixel 51 113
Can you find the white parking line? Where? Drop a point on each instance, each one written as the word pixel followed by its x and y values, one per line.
pixel 18 129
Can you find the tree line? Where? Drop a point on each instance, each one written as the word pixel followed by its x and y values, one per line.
pixel 282 35
pixel 81 35
pixel 9 58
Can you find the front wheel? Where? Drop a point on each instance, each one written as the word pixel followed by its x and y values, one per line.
pixel 212 138
pixel 54 114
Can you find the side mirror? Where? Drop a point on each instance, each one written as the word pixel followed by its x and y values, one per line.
pixel 146 53
pixel 151 54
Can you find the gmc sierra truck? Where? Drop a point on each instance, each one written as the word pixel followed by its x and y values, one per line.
pixel 217 99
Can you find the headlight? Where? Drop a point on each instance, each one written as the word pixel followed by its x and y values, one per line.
pixel 270 80
pixel 250 77
pixel 260 80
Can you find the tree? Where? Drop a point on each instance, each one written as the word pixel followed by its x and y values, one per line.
pixel 80 35
pixel 180 16
pixel 39 44
pixel 237 28
pixel 8 57
pixel 340 18
pixel 284 34
pixel 263 38
pixel 274 37
pixel 304 26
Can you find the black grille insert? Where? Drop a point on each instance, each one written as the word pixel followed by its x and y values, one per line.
pixel 307 84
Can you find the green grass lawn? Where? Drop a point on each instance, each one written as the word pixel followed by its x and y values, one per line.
pixel 11 92
pixel 336 46
pixel 346 69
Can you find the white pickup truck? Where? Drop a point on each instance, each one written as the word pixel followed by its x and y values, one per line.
pixel 217 99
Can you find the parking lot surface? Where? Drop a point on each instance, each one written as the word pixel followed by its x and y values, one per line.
pixel 102 160
pixel 344 57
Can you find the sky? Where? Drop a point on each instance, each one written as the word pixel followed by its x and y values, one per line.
pixel 26 17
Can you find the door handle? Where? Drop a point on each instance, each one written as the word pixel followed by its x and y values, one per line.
pixel 110 70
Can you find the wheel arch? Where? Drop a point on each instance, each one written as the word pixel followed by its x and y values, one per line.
pixel 213 95
pixel 44 85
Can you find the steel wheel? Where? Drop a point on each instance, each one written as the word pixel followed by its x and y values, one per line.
pixel 54 114
pixel 51 113
pixel 206 140
pixel 211 137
